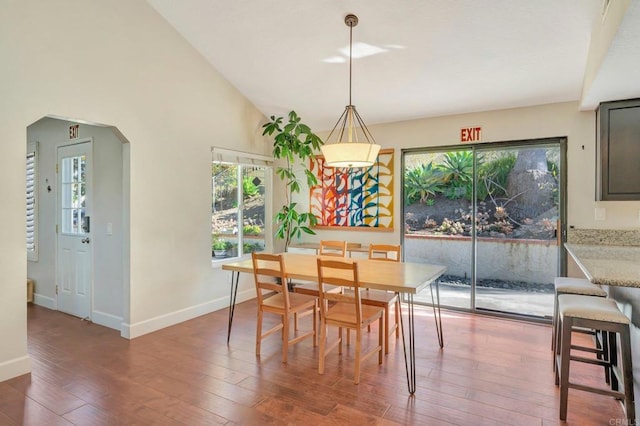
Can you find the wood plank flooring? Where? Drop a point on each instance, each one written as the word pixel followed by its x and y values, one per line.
pixel 490 372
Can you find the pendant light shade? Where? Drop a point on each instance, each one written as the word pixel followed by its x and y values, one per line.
pixel 350 154
pixel 354 145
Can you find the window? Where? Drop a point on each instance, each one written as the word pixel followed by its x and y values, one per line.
pixel 73 188
pixel 32 198
pixel 241 196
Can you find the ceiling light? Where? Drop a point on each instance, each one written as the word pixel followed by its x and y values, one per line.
pixel 354 145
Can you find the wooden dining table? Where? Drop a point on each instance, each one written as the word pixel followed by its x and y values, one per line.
pixel 399 277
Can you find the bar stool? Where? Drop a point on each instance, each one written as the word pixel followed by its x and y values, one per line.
pixel 568 285
pixel 597 313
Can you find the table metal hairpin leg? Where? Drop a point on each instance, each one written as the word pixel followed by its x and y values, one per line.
pixel 235 277
pixel 437 315
pixel 410 363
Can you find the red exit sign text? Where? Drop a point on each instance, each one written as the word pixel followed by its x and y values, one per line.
pixel 73 131
pixel 471 134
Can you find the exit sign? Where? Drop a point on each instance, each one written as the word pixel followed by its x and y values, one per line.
pixel 73 131
pixel 471 134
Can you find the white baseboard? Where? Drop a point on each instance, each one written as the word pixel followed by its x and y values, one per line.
pixel 15 367
pixel 131 331
pixel 47 302
pixel 108 320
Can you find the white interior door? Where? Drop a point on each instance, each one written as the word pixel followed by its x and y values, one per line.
pixel 75 256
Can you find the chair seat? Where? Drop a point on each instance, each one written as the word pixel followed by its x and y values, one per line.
pixel 591 308
pixel 568 285
pixel 378 297
pixel 296 301
pixel 344 313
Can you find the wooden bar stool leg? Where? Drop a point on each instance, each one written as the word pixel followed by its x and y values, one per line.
pixel 554 326
pixel 613 359
pixel 558 337
pixel 603 345
pixel 565 355
pixel 629 399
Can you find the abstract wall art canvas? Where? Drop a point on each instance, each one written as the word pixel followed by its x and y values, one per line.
pixel 354 198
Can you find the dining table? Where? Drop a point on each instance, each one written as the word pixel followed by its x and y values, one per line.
pixel 404 278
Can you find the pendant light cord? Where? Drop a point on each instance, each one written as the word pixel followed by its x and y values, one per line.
pixel 350 56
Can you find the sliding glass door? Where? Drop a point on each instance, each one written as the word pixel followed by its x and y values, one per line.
pixel 435 186
pixel 491 213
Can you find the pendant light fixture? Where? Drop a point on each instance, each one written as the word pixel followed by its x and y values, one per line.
pixel 354 145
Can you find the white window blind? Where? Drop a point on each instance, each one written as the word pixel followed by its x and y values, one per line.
pixel 237 157
pixel 32 198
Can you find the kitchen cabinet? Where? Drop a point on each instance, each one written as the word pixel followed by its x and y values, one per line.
pixel 618 150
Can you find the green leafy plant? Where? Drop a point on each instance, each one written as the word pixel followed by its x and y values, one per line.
pixel 457 174
pixel 251 230
pixel 249 189
pixel 220 244
pixel 422 182
pixel 295 143
pixel 251 247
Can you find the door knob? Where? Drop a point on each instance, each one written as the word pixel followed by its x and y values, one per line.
pixel 86 240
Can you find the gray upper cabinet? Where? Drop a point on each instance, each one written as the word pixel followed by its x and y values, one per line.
pixel 618 150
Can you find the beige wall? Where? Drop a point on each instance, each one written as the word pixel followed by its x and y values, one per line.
pixel 118 63
pixel 543 121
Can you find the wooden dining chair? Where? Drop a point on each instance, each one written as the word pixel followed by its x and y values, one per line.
pixel 333 248
pixel 382 298
pixel 270 275
pixel 327 248
pixel 345 311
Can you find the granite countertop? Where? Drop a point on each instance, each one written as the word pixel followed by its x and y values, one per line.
pixel 608 264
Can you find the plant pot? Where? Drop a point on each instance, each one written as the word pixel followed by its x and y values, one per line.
pixel 220 253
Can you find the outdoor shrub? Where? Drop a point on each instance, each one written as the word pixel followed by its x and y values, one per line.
pixel 493 176
pixel 451 227
pixel 249 189
pixel 421 182
pixel 225 186
pixel 251 230
pixel 251 247
pixel 430 223
pixel 554 171
pixel 457 174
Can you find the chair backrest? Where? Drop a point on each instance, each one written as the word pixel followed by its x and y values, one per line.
pixel 342 273
pixel 270 274
pixel 388 252
pixel 333 248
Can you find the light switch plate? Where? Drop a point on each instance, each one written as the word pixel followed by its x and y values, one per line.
pixel 601 213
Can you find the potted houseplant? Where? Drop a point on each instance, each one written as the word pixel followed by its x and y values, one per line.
pixel 295 143
pixel 219 247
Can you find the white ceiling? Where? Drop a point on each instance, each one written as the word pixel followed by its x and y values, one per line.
pixel 435 57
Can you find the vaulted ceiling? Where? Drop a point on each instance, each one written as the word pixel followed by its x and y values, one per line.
pixel 412 58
